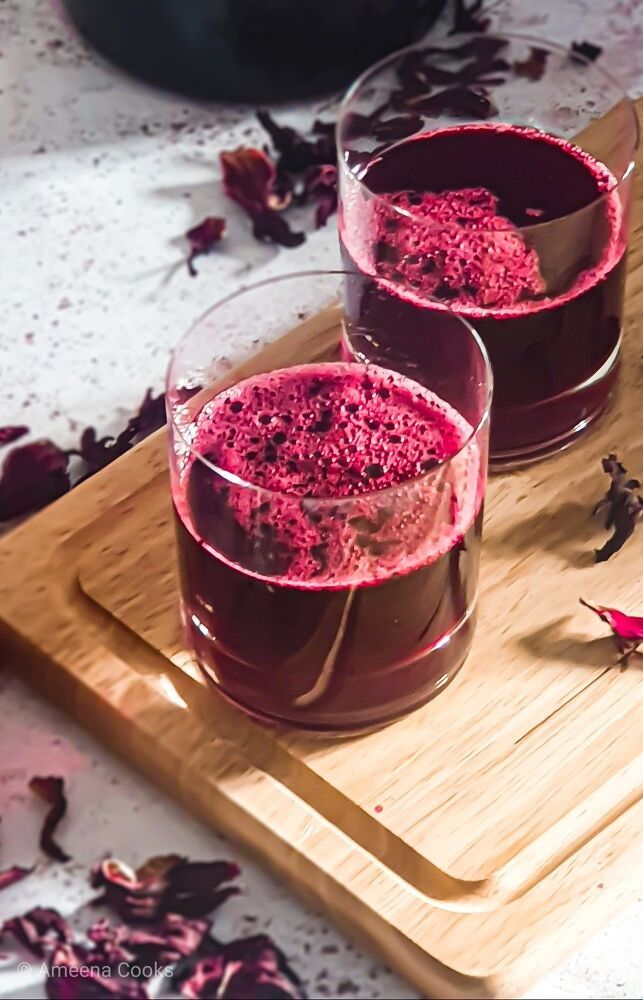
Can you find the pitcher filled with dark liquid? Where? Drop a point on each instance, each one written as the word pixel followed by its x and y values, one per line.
pixel 250 50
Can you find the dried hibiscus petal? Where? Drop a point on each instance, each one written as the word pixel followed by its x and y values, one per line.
pixel 8 876
pixel 167 884
pixel 97 453
pixel 10 434
pixel 250 179
pixel 465 17
pixel 296 153
pixel 244 969
pixel 326 133
pixel 151 415
pixel 52 791
pixel 626 629
pixel 33 475
pixel 203 238
pixel 164 943
pixel 320 183
pixel 622 505
pixel 460 101
pixel 400 127
pixel 533 68
pixel 585 51
pixel 273 228
pixel 38 929
pixel 73 976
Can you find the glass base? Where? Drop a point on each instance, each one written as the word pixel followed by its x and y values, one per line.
pixel 459 639
pixel 504 461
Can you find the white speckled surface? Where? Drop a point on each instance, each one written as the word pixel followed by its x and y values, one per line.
pixel 100 177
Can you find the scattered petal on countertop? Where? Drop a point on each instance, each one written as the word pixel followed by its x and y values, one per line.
pixel 533 68
pixel 38 930
pixel 10 434
pixel 52 791
pixel 250 179
pixel 73 976
pixel 244 969
pixel 8 876
pixel 97 453
pixel 165 884
pixel 162 943
pixel 296 153
pixel 33 475
pixel 466 18
pixel 585 51
pixel 320 183
pixel 203 238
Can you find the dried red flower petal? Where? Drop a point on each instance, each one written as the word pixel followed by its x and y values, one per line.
pixel 38 929
pixel 244 969
pixel 626 629
pixel 52 791
pixel 271 227
pixel 164 943
pixel 167 884
pixel 320 183
pixel 623 506
pixel 97 453
pixel 296 153
pixel 399 127
pixel 33 475
pixel 151 415
pixel 10 434
pixel 465 19
pixel 327 140
pixel 73 976
pixel 585 51
pixel 533 68
pixel 250 179
pixel 203 238
pixel 459 101
pixel 8 876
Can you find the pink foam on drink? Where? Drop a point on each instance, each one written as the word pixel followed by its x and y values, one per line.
pixel 461 249
pixel 457 249
pixel 308 436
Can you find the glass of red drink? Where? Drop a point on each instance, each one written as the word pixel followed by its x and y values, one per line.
pixel 328 514
pixel 491 176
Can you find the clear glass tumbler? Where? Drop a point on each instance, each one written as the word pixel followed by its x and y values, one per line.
pixel 328 514
pixel 491 176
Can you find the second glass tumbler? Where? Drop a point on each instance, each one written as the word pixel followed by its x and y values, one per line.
pixel 491 176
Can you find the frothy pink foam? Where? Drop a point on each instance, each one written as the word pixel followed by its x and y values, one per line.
pixel 455 248
pixel 328 430
pixel 307 436
pixel 472 255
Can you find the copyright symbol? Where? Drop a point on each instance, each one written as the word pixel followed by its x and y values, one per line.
pixel 25 968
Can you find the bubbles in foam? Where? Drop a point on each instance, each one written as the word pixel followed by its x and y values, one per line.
pixel 307 438
pixel 456 248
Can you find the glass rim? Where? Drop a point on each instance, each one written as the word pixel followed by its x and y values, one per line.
pixel 461 38
pixel 235 480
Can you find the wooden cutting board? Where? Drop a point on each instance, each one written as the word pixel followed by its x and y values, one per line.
pixel 473 843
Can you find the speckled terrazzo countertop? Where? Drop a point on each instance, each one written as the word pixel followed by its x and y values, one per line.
pixel 100 177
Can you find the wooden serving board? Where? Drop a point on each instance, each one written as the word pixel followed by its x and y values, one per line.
pixel 473 843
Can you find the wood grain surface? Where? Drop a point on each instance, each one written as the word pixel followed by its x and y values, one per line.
pixel 511 805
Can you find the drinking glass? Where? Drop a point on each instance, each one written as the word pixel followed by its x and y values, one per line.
pixel 491 175
pixel 328 514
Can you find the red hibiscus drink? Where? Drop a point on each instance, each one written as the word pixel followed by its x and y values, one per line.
pixel 514 227
pixel 329 519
